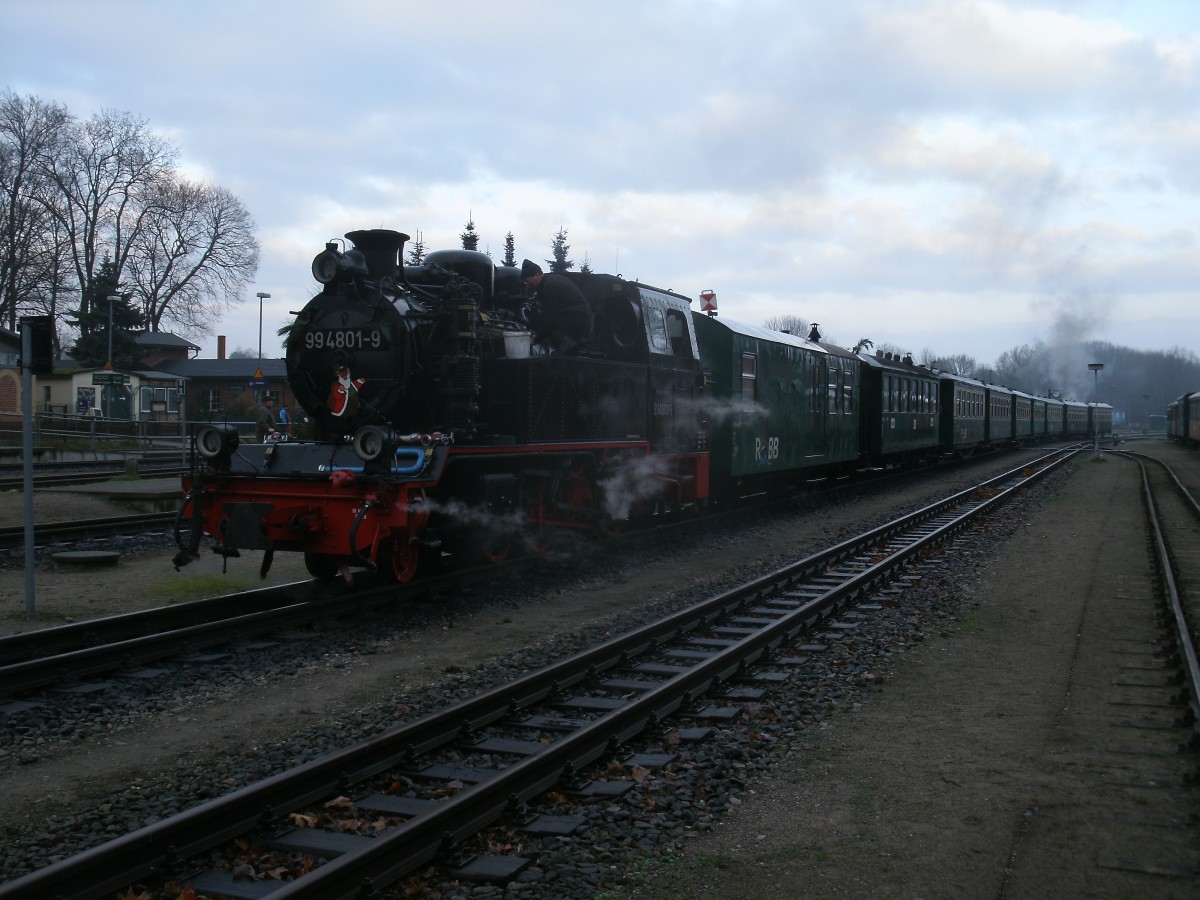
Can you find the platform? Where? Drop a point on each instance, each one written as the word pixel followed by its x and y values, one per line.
pixel 143 495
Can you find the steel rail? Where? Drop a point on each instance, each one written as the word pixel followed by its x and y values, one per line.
pixel 1182 631
pixel 157 848
pixel 10 482
pixel 12 536
pixel 110 629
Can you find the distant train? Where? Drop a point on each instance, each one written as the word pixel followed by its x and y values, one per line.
pixel 446 431
pixel 1183 418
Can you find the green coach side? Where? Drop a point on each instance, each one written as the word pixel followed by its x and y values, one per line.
pixel 900 408
pixel 783 408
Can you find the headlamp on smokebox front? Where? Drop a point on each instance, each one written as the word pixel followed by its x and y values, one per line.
pixel 216 443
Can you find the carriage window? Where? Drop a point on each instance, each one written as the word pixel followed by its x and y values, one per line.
pixel 749 375
pixel 848 392
pixel 835 377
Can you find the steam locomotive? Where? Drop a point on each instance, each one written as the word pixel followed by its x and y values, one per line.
pixel 445 430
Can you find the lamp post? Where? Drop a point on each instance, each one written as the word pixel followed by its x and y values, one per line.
pixel 112 298
pixel 261 298
pixel 1095 369
pixel 108 366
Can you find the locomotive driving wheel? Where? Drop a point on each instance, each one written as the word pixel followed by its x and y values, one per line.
pixel 398 560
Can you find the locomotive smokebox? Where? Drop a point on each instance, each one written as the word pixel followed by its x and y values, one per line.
pixel 382 248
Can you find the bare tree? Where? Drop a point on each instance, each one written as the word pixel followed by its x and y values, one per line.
pixel 30 133
pixel 104 175
pixel 1025 368
pixel 959 364
pixel 193 254
pixel 789 324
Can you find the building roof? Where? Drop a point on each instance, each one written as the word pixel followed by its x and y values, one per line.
pixel 232 369
pixel 164 339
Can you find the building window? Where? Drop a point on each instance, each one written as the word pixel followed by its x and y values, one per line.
pixel 212 400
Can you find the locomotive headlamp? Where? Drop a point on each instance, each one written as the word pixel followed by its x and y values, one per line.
pixel 325 265
pixel 216 442
pixel 370 442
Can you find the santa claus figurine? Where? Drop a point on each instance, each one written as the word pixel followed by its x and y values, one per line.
pixel 344 387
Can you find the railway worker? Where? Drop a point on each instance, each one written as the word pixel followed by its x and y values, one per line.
pixel 563 319
pixel 264 424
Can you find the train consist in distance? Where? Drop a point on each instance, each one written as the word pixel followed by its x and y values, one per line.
pixel 444 431
pixel 1183 419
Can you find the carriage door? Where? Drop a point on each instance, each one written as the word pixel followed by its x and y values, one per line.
pixel 819 375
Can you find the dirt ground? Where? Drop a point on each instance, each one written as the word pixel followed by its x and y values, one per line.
pixel 977 768
pixel 925 791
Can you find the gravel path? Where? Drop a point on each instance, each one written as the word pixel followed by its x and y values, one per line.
pixel 975 768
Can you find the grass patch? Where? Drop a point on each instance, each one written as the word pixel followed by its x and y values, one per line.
pixel 200 586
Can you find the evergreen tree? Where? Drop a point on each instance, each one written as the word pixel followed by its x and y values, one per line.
pixel 560 248
pixel 510 250
pixel 92 347
pixel 585 267
pixel 416 251
pixel 470 240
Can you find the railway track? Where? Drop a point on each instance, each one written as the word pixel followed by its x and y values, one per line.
pixel 139 523
pixel 511 744
pixel 1173 516
pixel 92 473
pixel 1142 680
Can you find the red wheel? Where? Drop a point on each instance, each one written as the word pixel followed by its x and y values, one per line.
pixel 497 553
pixel 580 495
pixel 398 561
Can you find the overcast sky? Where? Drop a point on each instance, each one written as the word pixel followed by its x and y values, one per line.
pixel 963 176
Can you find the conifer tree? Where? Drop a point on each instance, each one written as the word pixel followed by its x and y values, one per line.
pixel 92 347
pixel 470 240
pixel 510 250
pixel 416 251
pixel 560 248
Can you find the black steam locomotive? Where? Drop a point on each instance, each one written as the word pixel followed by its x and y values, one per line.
pixel 444 428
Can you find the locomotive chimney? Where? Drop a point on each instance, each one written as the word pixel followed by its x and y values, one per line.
pixel 382 247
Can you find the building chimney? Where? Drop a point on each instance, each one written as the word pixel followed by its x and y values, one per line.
pixel 220 346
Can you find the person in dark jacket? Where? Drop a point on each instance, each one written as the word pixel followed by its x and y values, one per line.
pixel 563 319
pixel 264 422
